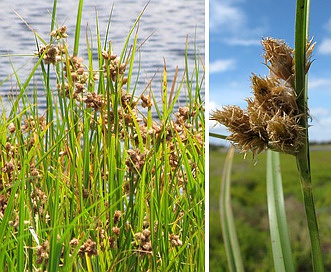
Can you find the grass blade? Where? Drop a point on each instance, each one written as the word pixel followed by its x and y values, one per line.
pixel 281 247
pixel 78 25
pixel 227 221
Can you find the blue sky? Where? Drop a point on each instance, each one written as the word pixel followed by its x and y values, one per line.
pixel 236 28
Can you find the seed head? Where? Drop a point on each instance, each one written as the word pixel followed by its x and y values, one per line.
pixel 279 58
pixel 272 117
pixel 117 216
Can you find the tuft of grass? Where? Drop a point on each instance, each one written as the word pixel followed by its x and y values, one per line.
pixel 103 180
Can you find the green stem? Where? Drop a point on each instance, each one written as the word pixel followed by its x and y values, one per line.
pixel 215 135
pixel 302 157
pixel 78 24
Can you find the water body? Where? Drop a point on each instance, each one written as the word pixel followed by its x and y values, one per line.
pixel 166 23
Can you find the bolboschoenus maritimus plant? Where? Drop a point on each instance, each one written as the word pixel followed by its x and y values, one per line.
pixel 105 178
pixel 276 119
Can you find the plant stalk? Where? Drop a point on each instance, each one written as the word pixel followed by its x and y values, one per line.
pixel 302 157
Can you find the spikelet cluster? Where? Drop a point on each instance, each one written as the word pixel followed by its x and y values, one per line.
pixel 272 117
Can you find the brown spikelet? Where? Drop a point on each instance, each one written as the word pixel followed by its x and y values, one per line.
pixel 285 134
pixel 279 58
pixel 309 51
pixel 238 123
pixel 232 117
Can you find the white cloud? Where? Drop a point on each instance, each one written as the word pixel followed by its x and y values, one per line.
pixel 223 15
pixel 221 65
pixel 214 105
pixel 319 83
pixel 244 41
pixel 231 92
pixel 320 112
pixel 320 131
pixel 325 47
pixel 229 20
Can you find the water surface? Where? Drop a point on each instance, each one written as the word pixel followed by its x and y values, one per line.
pixel 169 23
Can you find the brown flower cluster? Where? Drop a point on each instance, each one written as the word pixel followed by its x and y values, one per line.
pixel 114 66
pixel 136 160
pixel 142 242
pixel 116 229
pixel 279 58
pixel 77 80
pixel 59 33
pixel 175 241
pixel 174 129
pixel 53 54
pixel 272 118
pixel 11 164
pixel 43 253
pixel 3 203
pixel 50 53
pixel 109 239
pixel 89 247
pixel 10 154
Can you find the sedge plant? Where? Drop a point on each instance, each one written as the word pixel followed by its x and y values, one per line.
pixel 103 179
pixel 276 119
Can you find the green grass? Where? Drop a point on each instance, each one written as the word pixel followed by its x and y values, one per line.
pixel 96 182
pixel 249 203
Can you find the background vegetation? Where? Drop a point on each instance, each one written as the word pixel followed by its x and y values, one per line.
pixel 249 203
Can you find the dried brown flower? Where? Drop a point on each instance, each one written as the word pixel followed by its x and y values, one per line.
pixel 95 101
pixel 136 160
pixel 142 242
pixel 74 242
pixel 175 241
pixel 113 65
pixel 112 242
pixel 116 231
pixel 11 127
pixel 51 54
pixel 117 216
pixel 59 33
pixel 88 247
pixel 43 253
pixel 280 58
pixel 146 101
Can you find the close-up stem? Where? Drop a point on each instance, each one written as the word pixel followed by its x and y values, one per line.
pixel 303 155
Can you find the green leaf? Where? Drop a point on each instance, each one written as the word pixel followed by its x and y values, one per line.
pixel 280 240
pixel 227 222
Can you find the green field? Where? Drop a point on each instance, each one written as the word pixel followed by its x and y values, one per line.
pixel 249 204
